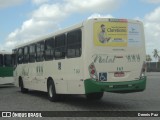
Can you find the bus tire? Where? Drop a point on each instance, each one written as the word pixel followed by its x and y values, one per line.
pixel 94 96
pixel 52 96
pixel 23 90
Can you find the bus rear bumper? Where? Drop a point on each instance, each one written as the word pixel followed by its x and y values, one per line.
pixel 92 86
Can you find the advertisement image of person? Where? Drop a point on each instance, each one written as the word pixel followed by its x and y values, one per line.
pixel 102 35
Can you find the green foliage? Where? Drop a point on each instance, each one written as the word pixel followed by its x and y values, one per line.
pixel 148 58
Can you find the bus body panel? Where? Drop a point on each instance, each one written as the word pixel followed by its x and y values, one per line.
pixel 6 68
pixel 68 79
pixel 6 80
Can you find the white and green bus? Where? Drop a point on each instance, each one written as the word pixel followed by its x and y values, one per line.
pixel 96 56
pixel 6 68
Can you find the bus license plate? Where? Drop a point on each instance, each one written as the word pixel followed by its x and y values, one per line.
pixel 119 74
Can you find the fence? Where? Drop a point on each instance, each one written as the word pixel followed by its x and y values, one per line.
pixel 153 66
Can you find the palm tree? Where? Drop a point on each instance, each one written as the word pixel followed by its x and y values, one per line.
pixel 148 58
pixel 155 55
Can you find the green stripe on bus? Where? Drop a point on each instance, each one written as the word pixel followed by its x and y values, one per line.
pixel 6 71
pixel 92 86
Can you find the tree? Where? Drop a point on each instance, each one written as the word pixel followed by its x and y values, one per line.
pixel 155 54
pixel 148 58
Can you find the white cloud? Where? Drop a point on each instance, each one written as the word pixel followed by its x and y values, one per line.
pixel 92 5
pixel 153 16
pixel 152 30
pixel 48 17
pixel 30 29
pixel 48 12
pixel 8 3
pixel 97 15
pixel 38 2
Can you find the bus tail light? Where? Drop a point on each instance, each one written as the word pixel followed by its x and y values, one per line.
pixel 143 70
pixel 92 71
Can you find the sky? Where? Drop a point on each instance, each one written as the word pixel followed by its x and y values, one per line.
pixel 25 20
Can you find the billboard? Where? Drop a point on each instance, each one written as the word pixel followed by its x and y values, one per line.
pixel 116 34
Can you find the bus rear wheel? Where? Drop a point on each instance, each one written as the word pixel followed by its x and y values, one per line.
pixel 52 96
pixel 94 96
pixel 23 90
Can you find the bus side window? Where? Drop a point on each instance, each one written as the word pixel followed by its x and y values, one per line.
pixel 14 57
pixel 1 60
pixel 74 44
pixel 26 55
pixel 8 60
pixel 20 55
pixel 40 51
pixel 49 49
pixel 60 46
pixel 32 53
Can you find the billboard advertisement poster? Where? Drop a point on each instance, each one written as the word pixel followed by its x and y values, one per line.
pixel 111 34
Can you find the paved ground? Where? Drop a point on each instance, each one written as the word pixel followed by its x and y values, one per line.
pixel 13 100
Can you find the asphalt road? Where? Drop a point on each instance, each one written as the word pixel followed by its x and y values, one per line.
pixel 12 99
